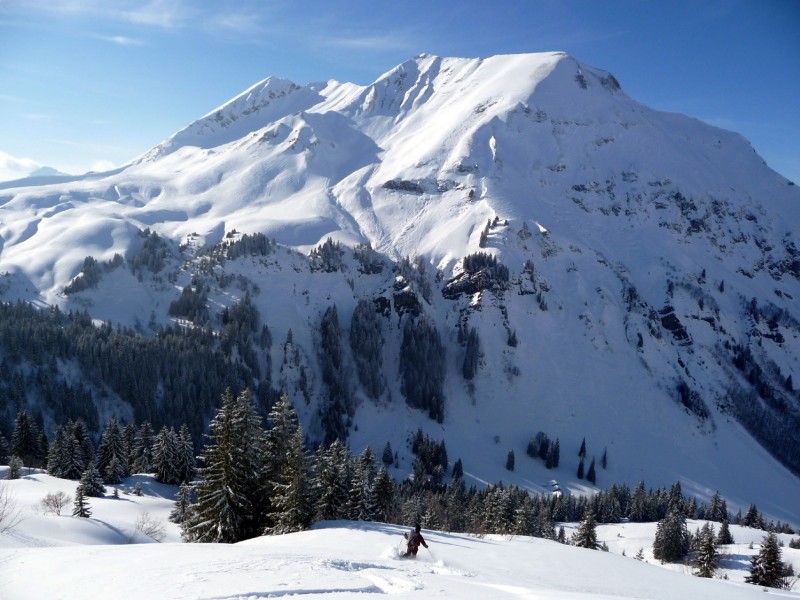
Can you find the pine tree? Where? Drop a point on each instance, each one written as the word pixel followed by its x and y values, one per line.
pixel 81 506
pixel 472 355
pixel 15 467
pixel 77 450
pixel 182 504
pixel 143 449
pixel 24 443
pixel 330 482
pixel 582 451
pixel 718 511
pixel 229 485
pixel 361 483
pixel 586 534
pixel 382 496
pixel 115 471
pixel 591 476
pixel 553 455
pixel 510 460
pixel 290 499
pixel 185 465
pixel 92 482
pixel 165 456
pixel 580 469
pixel 56 455
pixel 458 470
pixel 638 512
pixel 388 456
pixel 706 560
pixel 82 448
pixel 724 536
pixel 672 538
pixel 111 446
pixel 766 568
pixel 5 450
pixel 753 518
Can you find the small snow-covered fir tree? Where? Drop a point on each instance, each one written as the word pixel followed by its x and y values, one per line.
pixel 724 536
pixel 183 503
pixel 586 534
pixel 92 482
pixel 706 559
pixel 15 467
pixel 81 506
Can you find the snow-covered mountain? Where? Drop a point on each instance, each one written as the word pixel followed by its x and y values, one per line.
pixel 640 292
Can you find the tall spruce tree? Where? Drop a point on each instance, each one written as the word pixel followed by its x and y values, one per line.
pixel 382 496
pixel 165 456
pixel 185 465
pixel 143 449
pixel 230 484
pixel 290 502
pixel 24 441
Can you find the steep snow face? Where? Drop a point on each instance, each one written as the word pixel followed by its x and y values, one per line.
pixel 654 263
pixel 265 102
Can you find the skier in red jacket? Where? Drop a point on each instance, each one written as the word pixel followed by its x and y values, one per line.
pixel 414 540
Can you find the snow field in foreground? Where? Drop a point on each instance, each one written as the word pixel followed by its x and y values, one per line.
pixel 52 557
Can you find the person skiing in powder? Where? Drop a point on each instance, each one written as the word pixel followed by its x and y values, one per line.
pixel 414 540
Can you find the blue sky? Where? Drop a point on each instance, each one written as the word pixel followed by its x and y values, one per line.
pixel 92 83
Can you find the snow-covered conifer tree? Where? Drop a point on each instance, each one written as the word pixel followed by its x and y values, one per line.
pixel 81 506
pixel 290 499
pixel 165 456
pixel 672 538
pixel 229 485
pixel 766 568
pixel 586 534
pixel 92 482
pixel 706 559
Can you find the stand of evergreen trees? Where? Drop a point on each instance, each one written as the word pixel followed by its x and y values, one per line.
pixel 175 376
pixel 259 479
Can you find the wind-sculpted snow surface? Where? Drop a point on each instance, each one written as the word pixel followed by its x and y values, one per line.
pixel 644 294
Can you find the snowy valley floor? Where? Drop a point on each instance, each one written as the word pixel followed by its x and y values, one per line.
pixel 51 557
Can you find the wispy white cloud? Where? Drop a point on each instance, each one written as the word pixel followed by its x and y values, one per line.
pixel 120 40
pixel 38 117
pixel 370 42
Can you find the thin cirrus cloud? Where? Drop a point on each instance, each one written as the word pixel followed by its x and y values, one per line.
pixel 120 40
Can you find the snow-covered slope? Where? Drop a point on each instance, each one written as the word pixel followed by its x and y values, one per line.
pixel 49 556
pixel 654 269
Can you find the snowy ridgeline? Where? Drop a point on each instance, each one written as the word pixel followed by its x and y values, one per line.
pixel 39 558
